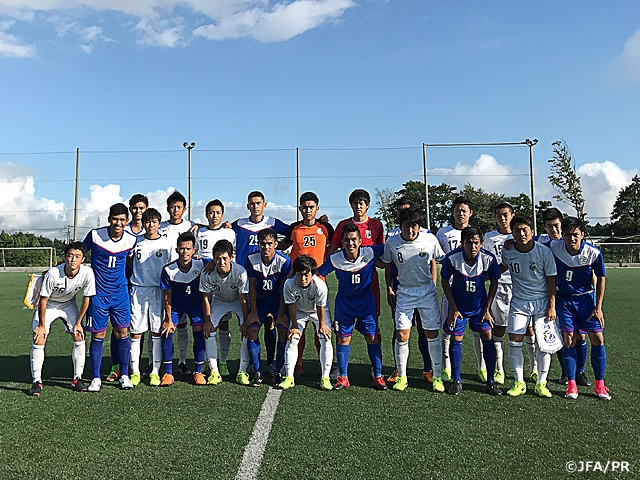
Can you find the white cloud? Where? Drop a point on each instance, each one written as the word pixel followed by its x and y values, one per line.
pixel 160 33
pixel 86 48
pixel 601 183
pixel 629 60
pixel 90 35
pixel 11 46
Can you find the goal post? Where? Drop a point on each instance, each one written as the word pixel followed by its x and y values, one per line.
pixel 20 258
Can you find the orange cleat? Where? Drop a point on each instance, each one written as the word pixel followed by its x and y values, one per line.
pixel 393 377
pixel 198 379
pixel 428 376
pixel 167 379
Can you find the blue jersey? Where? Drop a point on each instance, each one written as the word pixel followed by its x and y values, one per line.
pixel 247 234
pixel 354 277
pixel 269 278
pixel 184 286
pixel 467 281
pixel 109 259
pixel 575 271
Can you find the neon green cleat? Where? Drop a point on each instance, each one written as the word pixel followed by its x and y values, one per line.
pixel 214 378
pixel 154 380
pixel 446 375
pixel 224 370
pixel 482 375
pixel 542 391
pixel 325 383
pixel 437 385
pixel 519 388
pixel 242 378
pixel 401 383
pixel 533 376
pixel 135 379
pixel 498 377
pixel 287 383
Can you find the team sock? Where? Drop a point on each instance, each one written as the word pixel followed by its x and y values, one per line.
pixel 516 360
pixel 423 346
pixel 254 353
pixel 598 361
pixel 435 351
pixel 244 355
pixel 113 349
pixel 291 355
pixel 343 352
pixel 78 356
pixel 150 347
pixel 198 349
pixel 135 354
pixel 183 343
pixel 570 362
pixel 225 344
pixel 124 354
pixel 167 353
pixel 375 356
pixel 269 344
pixel 477 348
pixel 394 340
pixel 95 355
pixel 489 354
pixel 325 355
pixel 530 345
pixel 499 346
pixel 455 353
pixel 402 356
pixel 561 358
pixel 280 355
pixel 156 354
pixel 581 354
pixel 211 349
pixel 544 362
pixel 37 360
pixel 444 354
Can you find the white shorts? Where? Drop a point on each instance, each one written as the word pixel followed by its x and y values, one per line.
pixel 425 300
pixel 147 306
pixel 221 310
pixel 302 318
pixel 524 313
pixel 67 312
pixel 500 305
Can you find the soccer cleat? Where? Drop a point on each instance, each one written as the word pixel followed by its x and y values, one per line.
pixel 167 379
pixel 446 375
pixel 482 375
pixel 393 377
pixel 242 378
pixel 437 385
pixel 401 383
pixel 114 375
pixel 154 380
pixel 286 383
pixel 297 371
pixel 183 370
pixel 223 369
pixel 325 383
pixel 335 373
pixel 519 388
pixel 256 381
pixel 341 383
pixel 125 383
pixel 456 388
pixel 498 377
pixel 533 376
pixel 564 380
pixel 147 371
pixel 541 390
pixel 428 376
pixel 572 390
pixel 135 379
pixel 493 389
pixel 198 379
pixel 378 383
pixel 601 392
pixel 95 385
pixel 582 380
pixel 214 378
pixel 78 385
pixel 277 379
pixel 36 389
pixel 271 370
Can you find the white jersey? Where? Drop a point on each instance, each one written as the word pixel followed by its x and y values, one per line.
pixel 396 231
pixel 206 239
pixel 493 242
pixel 306 299
pixel 61 289
pixel 149 257
pixel 529 271
pixel 225 289
pixel 172 232
pixel 413 259
pixel 449 238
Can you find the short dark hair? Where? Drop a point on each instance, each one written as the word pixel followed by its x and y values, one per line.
pixel 551 214
pixel 214 203
pixel 223 246
pixel 187 236
pixel 255 193
pixel 569 224
pixel 462 200
pixel 76 246
pixel 267 232
pixel 309 197
pixel 360 194
pixel 118 209
pixel 403 201
pixel 520 220
pixel 502 205
pixel 137 198
pixel 150 213
pixel 175 197
pixel 411 215
pixel 349 227
pixel 469 232
pixel 305 263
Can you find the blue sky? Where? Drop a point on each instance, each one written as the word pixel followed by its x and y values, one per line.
pixel 332 77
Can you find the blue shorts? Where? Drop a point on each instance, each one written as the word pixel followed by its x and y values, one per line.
pixel 195 314
pixel 355 312
pixel 101 307
pixel 476 324
pixel 574 311
pixel 266 309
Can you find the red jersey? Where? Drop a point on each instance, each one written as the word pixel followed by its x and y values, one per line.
pixel 371 232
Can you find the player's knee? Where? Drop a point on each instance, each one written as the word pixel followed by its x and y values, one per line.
pixel 371 340
pixel 596 339
pixel 120 333
pixel 515 344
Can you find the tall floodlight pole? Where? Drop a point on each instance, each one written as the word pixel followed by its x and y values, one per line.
pixel 426 183
pixel 298 183
pixel 75 207
pixel 530 144
pixel 189 147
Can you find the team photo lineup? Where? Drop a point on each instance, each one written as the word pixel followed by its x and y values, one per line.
pixel 214 284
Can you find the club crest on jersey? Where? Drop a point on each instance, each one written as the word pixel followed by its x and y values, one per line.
pixel 583 260
pixel 422 252
pixel 196 273
pixel 367 234
pixel 158 253
pixel 319 231
pixel 533 266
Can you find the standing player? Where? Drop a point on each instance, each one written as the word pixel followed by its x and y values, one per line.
pixel 267 271
pixel 355 305
pixel 464 272
pixel 147 260
pixel 109 248
pixel 180 282
pixel 208 236
pixel 138 204
pixel 224 291
pixel 58 300
pixel 577 306
pixel 412 253
pixel 533 276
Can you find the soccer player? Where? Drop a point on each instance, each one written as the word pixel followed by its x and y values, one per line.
pixel 355 305
pixel 208 236
pixel 533 277
pixel 412 253
pixel 464 272
pixel 58 300
pixel 577 307
pixel 109 248
pixel 247 243
pixel 224 291
pixel 138 204
pixel 180 282
pixel 147 260
pixel 493 242
pixel 267 271
pixel 306 297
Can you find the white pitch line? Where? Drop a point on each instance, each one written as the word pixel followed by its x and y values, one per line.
pixel 254 450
